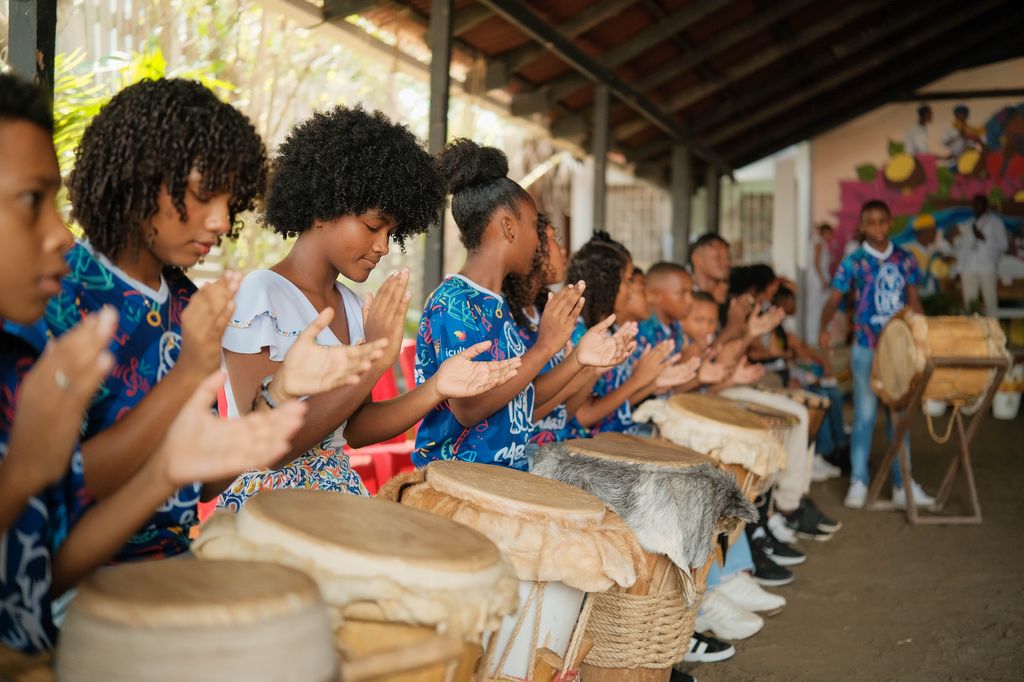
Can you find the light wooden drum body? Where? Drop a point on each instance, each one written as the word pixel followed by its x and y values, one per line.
pixel 562 541
pixel 909 340
pixel 733 436
pixel 641 631
pixel 817 406
pixel 181 619
pixel 394 577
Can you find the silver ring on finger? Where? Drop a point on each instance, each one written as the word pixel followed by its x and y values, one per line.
pixel 61 379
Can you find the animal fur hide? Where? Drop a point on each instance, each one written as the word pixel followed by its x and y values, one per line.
pixel 674 512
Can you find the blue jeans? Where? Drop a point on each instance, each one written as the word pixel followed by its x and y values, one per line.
pixel 737 559
pixel 831 435
pixel 865 409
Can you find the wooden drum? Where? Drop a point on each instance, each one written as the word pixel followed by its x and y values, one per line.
pixel 817 406
pixel 909 340
pixel 400 583
pixel 562 541
pixel 191 620
pixel 639 632
pixel 735 437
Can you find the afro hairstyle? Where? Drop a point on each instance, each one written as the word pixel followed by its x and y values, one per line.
pixel 477 178
pixel 151 135
pixel 347 161
pixel 20 100
pixel 601 263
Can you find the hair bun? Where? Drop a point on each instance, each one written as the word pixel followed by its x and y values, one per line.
pixel 466 164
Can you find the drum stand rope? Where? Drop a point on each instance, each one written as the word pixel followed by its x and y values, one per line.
pixel 1000 365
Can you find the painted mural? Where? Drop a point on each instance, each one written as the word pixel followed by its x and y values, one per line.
pixel 915 180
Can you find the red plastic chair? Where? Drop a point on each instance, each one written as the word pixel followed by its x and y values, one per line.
pixel 207 508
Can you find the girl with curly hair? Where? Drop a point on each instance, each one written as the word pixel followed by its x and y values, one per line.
pixel 607 267
pixel 347 182
pixel 49 539
pixel 497 221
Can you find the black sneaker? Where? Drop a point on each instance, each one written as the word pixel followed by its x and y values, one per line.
pixel 680 676
pixel 766 571
pixel 707 649
pixel 804 523
pixel 778 551
pixel 829 525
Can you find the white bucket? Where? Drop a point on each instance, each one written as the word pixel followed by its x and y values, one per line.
pixel 560 610
pixel 1006 403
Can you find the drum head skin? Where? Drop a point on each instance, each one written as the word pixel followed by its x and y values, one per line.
pixel 634 449
pixel 716 409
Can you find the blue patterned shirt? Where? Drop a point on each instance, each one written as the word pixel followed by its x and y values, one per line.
pixel 621 420
pixel 879 288
pixel 651 332
pixel 145 348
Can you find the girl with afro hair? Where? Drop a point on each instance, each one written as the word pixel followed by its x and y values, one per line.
pixel 346 182
pixel 608 267
pixel 527 297
pixel 160 176
pixel 49 539
pixel 497 222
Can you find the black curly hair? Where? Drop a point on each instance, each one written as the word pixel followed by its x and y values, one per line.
pixel 347 161
pixel 20 100
pixel 600 263
pixel 523 292
pixel 477 178
pixel 150 135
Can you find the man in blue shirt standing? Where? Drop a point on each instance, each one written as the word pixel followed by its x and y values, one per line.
pixel 883 279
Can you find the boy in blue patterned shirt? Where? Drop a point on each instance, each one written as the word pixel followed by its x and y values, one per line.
pixel 883 279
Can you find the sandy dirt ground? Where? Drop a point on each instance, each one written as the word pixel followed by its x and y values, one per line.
pixel 884 600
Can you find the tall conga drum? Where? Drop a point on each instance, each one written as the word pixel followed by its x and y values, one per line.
pixel 167 621
pixel 733 436
pixel 562 541
pixel 909 340
pixel 817 405
pixel 676 501
pixel 395 578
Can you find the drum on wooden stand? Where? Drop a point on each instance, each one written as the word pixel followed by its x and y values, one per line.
pixel 563 543
pixel 909 340
pixel 733 436
pixel 674 500
pixel 401 584
pixel 166 621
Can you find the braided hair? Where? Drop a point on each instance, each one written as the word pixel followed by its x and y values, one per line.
pixel 601 263
pixel 151 135
pixel 347 161
pixel 477 178
pixel 523 292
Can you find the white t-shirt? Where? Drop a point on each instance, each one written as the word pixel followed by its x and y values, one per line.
pixel 271 312
pixel 975 255
pixel 917 140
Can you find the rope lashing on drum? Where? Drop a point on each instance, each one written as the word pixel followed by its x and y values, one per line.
pixel 576 641
pixel 942 440
pixel 639 631
pixel 536 594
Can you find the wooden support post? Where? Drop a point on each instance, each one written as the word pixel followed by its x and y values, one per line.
pixel 32 40
pixel 602 101
pixel 440 40
pixel 682 193
pixel 712 185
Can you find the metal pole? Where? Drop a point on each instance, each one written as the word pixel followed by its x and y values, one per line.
pixel 682 194
pixel 711 211
pixel 32 40
pixel 440 40
pixel 600 151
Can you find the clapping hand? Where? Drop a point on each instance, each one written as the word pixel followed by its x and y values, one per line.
pixel 746 373
pixel 460 377
pixel 54 395
pixel 760 323
pixel 677 374
pixel 598 348
pixel 652 362
pixel 559 318
pixel 311 368
pixel 203 323
pixel 200 447
pixel 384 314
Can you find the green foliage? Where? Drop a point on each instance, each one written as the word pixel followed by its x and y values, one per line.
pixel 895 148
pixel 945 179
pixel 867 173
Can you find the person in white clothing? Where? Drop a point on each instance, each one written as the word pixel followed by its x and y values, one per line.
pixel 979 244
pixel 917 137
pixel 820 279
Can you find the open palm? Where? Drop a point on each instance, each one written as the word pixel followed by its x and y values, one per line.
pixel 201 447
pixel 761 323
pixel 747 373
pixel 598 348
pixel 461 377
pixel 678 374
pixel 311 368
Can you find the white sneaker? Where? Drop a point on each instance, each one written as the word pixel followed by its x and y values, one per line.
pixel 921 498
pixel 725 618
pixel 782 532
pixel 822 471
pixel 857 495
pixel 747 594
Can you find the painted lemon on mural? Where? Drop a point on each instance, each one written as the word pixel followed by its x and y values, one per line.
pixel 903 172
pixel 969 162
